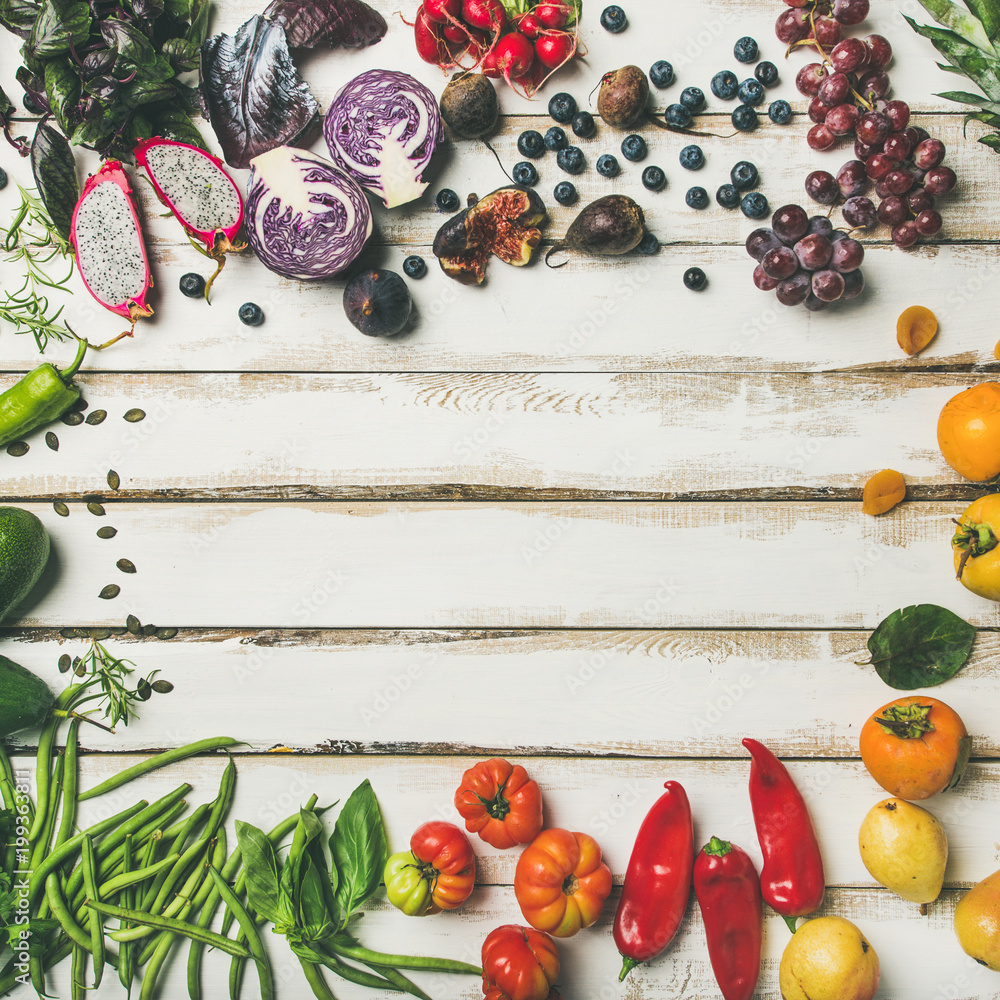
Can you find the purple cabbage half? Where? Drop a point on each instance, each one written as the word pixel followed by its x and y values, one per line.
pixel 382 129
pixel 304 218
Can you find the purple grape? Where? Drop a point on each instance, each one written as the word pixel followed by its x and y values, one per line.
pixel 821 186
pixel 795 290
pixel 892 210
pixel 810 78
pixel 928 222
pixel 873 127
pixel 905 234
pixel 850 11
pixel 899 181
pixel 790 223
pixel 814 251
pixel 814 304
pixel 919 200
pixel 760 241
pixel 851 178
pixel 848 255
pixel 929 153
pixel 820 225
pixel 940 180
pixel 842 120
pixel 763 281
pixel 780 263
pixel 880 52
pixel 792 26
pixel 854 284
pixel 859 213
pixel 819 137
pixel 828 285
pixel 818 110
pixel 849 55
pixel 873 83
pixel 898 113
pixel 898 146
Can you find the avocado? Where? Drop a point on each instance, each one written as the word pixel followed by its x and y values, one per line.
pixel 24 551
pixel 25 699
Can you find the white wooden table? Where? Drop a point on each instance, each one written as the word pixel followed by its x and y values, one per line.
pixel 583 518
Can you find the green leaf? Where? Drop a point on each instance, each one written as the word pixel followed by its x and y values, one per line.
pixel 6 107
pixel 179 10
pixel 359 848
pixel 54 170
pixel 976 100
pixel 960 21
pixel 201 12
pixel 920 646
pixel 56 22
pixel 173 123
pixel 62 90
pixel 314 914
pixel 184 56
pixel 143 92
pixel 989 16
pixel 156 69
pixel 261 865
pixel 966 58
pixel 132 46
pixel 992 140
pixel 18 16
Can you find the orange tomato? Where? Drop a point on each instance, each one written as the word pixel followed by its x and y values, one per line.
pixel 561 882
pixel 915 747
pixel 969 432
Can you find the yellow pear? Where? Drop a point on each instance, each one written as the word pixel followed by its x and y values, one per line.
pixel 828 958
pixel 977 922
pixel 905 848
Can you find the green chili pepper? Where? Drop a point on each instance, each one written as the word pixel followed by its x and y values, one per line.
pixel 43 395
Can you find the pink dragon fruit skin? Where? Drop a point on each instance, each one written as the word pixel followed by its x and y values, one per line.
pixel 194 185
pixel 110 250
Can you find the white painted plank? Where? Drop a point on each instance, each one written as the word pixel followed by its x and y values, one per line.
pixel 652 433
pixel 508 565
pixel 645 693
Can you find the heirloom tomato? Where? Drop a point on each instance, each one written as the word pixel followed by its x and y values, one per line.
pixel 500 802
pixel 521 962
pixel 437 873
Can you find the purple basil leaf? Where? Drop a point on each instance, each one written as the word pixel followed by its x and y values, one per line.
pixel 312 23
pixel 253 94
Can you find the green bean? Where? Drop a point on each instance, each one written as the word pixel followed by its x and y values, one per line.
pixel 176 847
pixel 71 784
pixel 149 976
pixel 348 949
pixel 43 766
pixel 373 980
pixel 314 977
pixel 132 877
pixel 89 865
pixel 154 763
pixel 213 940
pixel 43 844
pixel 249 928
pixel 402 982
pixel 60 911
pixel 126 951
pixel 78 986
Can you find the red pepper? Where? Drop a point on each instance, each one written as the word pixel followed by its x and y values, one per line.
pixel 657 881
pixel 791 880
pixel 728 890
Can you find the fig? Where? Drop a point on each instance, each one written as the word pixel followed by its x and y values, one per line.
pixel 378 303
pixel 504 223
pixel 621 101
pixel 469 105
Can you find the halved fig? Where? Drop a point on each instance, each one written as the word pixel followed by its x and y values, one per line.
pixel 504 223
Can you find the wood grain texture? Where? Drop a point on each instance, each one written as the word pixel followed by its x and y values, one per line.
pixel 620 693
pixel 635 434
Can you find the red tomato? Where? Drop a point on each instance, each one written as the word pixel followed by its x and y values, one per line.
pixel 446 855
pixel 521 962
pixel 500 802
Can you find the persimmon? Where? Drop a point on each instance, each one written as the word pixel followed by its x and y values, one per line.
pixel 969 432
pixel 976 547
pixel 915 747
pixel 882 492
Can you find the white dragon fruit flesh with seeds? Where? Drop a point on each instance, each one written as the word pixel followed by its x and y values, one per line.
pixel 196 188
pixel 107 239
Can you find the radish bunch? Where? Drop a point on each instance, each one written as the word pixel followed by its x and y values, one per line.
pixel 523 42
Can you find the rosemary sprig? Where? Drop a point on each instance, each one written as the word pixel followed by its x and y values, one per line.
pixel 33 242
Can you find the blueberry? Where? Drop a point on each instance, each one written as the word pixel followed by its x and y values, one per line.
pixel 693 98
pixel 562 107
pixel 766 73
pixel 634 148
pixel 649 245
pixel 525 173
pixel 725 84
pixel 565 193
pixel 744 118
pixel 192 285
pixel 692 158
pixel 746 50
pixel 661 73
pixel 3 178
pixel 607 165
pixel 780 112
pixel 755 206
pixel 744 175
pixel 531 144
pixel 414 266
pixel 751 92
pixel 653 179
pixel 446 200
pixel 583 125
pixel 677 116
pixel 694 278
pixel 613 19
pixel 251 314
pixel 555 139
pixel 697 197
pixel 727 196
pixel 571 160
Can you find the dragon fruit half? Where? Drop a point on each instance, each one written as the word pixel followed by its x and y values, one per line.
pixel 107 239
pixel 199 192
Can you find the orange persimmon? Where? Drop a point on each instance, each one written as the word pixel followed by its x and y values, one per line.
pixel 968 432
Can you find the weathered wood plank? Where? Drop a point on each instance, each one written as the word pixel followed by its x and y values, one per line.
pixel 508 565
pixel 621 694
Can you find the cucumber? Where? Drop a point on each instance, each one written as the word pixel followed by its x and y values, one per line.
pixel 25 699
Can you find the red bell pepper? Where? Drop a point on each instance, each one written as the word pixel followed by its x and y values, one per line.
pixel 791 880
pixel 657 880
pixel 728 890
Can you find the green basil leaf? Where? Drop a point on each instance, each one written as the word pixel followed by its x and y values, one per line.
pixel 920 646
pixel 201 11
pixel 261 865
pixel 6 107
pixel 174 123
pixel 147 10
pixel 314 914
pixel 62 89
pixel 359 848
pixel 18 16
pixel 142 92
pixel 56 22
pixel 184 56
pixel 959 20
pixel 156 69
pixel 54 170
pixel 128 41
pixel 977 65
pixel 178 10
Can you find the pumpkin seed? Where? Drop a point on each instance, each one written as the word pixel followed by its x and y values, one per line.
pixel 72 418
pixel 51 440
pixel 162 687
pixel 114 480
pixel 76 659
pixel 17 448
pixel 80 671
pixel 64 662
pixel 165 633
pixel 126 565
pixel 118 630
pixel 100 634
pixel 143 690
pixel 60 508
pixel 133 624
pixel 97 417
pixel 68 633
pixel 134 415
pixel 96 509
pixel 111 591
pixel 107 532
pixel 80 404
pixel 148 630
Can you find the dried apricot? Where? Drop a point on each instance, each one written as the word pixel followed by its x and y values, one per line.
pixel 882 492
pixel 996 351
pixel 915 329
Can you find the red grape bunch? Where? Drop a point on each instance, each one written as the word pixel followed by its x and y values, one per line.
pixel 805 261
pixel 848 90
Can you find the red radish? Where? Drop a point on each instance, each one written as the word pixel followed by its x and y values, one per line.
pixel 553 15
pixel 488 15
pixel 442 11
pixel 431 45
pixel 533 79
pixel 488 64
pixel 514 56
pixel 554 48
pixel 456 33
pixel 530 26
